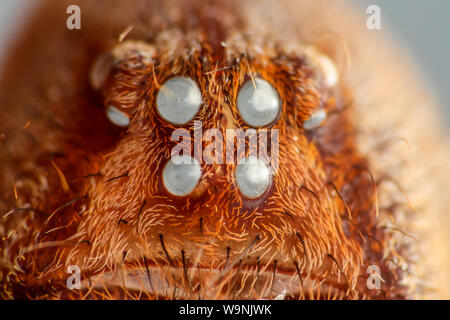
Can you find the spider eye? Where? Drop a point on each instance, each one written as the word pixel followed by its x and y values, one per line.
pixel 181 175
pixel 315 120
pixel 119 118
pixel 178 100
pixel 100 70
pixel 252 177
pixel 258 103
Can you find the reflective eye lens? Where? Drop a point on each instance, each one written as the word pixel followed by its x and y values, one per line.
pixel 315 120
pixel 252 177
pixel 258 103
pixel 178 100
pixel 181 175
pixel 117 117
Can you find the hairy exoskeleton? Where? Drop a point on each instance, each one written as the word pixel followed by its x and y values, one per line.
pixel 309 232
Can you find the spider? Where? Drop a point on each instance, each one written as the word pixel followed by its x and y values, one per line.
pixel 142 163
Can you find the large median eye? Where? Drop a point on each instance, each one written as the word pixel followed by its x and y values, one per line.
pixel 258 103
pixel 252 177
pixel 181 175
pixel 178 100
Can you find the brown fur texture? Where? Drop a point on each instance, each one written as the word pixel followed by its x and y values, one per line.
pixel 75 190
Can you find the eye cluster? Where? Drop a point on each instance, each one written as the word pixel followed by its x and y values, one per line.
pixel 179 100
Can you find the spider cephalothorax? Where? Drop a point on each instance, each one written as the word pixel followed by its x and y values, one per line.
pixel 201 229
pixel 301 222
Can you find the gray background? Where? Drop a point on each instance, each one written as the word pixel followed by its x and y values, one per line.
pixel 422 25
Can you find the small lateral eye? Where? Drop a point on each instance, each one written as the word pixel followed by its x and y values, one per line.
pixel 178 100
pixel 181 175
pixel 258 103
pixel 329 70
pixel 100 70
pixel 252 177
pixel 119 118
pixel 315 120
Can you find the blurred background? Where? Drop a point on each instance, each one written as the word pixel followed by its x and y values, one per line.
pixel 422 25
